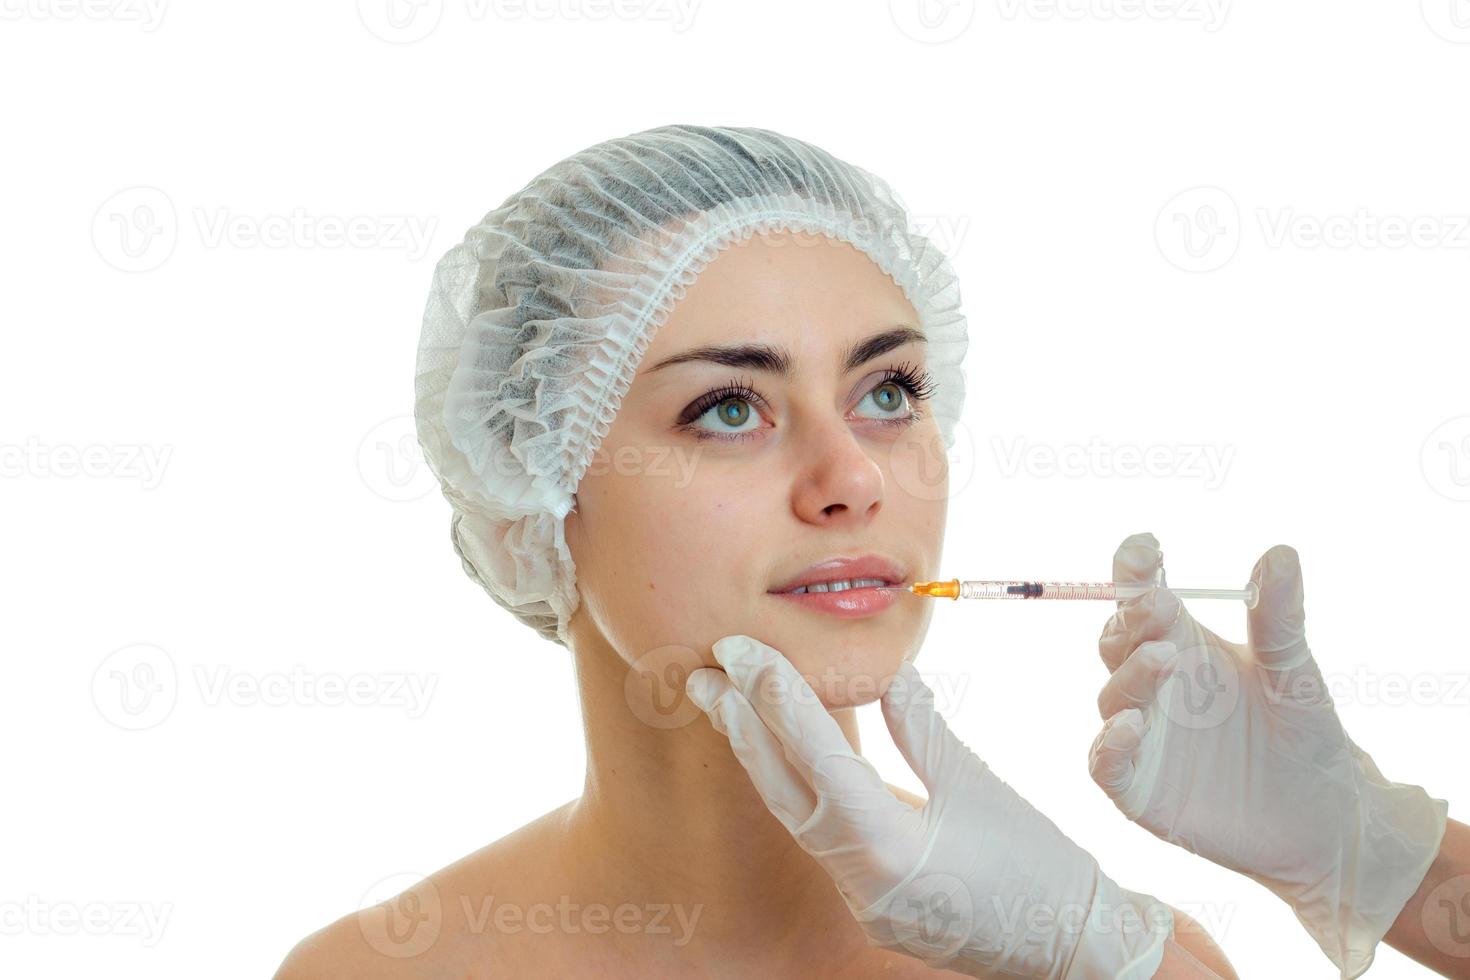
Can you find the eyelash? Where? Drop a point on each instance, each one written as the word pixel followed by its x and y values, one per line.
pixel 917 383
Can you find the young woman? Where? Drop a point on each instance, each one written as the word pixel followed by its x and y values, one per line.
pixel 673 381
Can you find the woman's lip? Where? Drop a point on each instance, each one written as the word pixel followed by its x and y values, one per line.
pixel 847 569
pixel 847 604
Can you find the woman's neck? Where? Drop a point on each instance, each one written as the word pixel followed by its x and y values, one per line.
pixel 668 814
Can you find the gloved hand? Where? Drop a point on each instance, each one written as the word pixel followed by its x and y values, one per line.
pixel 977 880
pixel 1235 752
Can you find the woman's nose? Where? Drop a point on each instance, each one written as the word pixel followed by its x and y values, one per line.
pixel 839 481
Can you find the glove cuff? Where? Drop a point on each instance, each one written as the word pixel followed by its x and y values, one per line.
pixel 1111 934
pixel 1124 937
pixel 1387 850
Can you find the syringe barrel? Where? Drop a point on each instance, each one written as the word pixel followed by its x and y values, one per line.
pixel 1015 589
pixel 1116 591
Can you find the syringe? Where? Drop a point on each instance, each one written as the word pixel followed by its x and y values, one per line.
pixel 1114 591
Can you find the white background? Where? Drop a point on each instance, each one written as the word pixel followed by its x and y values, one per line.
pixel 168 624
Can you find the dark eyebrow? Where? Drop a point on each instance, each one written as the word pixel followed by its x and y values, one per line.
pixel 778 360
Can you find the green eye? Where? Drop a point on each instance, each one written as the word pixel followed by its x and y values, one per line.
pixel 726 417
pixel 733 411
pixel 889 397
pixel 721 413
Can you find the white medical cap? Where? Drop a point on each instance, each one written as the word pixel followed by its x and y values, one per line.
pixel 537 321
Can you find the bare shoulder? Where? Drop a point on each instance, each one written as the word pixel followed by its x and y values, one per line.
pixel 433 928
pixel 339 949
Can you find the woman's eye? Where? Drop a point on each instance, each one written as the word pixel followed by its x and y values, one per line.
pixel 725 417
pixel 732 413
pixel 889 398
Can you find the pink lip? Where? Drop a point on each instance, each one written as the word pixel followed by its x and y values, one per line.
pixel 835 569
pixel 849 603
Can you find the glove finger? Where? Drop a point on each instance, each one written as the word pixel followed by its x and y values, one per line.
pixel 1111 758
pixel 932 751
pixel 1133 561
pixel 785 792
pixel 1276 627
pixel 1135 684
pixel 1138 559
pixel 1148 617
pixel 790 709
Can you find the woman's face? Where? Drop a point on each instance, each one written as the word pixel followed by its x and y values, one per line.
pixel 722 480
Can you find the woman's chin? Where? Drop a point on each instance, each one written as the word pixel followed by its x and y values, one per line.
pixel 843 671
pixel 850 681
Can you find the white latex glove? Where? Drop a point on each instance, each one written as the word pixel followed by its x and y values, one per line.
pixel 977 881
pixel 1235 752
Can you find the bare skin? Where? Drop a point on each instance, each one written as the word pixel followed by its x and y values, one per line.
pixel 669 559
pixel 1434 927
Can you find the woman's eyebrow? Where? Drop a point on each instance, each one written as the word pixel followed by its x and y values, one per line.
pixel 778 360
